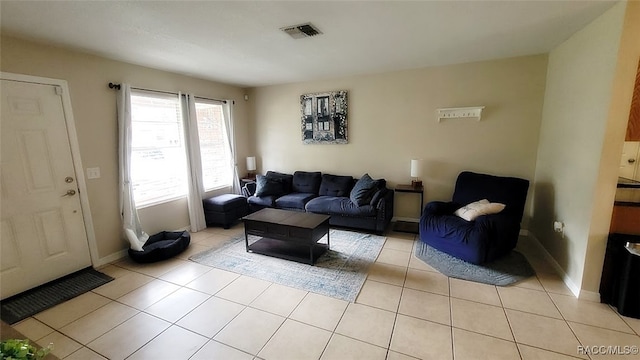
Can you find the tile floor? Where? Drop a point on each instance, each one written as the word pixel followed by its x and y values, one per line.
pixel 178 309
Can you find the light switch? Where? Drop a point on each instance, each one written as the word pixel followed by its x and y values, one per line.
pixel 93 173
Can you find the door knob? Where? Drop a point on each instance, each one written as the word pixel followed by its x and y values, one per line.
pixel 631 161
pixel 69 193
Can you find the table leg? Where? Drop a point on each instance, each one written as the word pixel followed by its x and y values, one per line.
pixel 328 242
pixel 246 240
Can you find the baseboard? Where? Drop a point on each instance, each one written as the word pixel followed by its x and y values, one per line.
pixel 407 219
pixel 589 296
pixel 111 258
pixel 575 289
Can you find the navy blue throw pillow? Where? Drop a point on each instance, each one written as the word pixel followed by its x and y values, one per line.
pixel 363 190
pixel 268 186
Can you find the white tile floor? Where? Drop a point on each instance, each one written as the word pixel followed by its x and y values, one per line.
pixel 178 309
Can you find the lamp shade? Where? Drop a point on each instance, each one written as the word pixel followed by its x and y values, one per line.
pixel 415 168
pixel 251 163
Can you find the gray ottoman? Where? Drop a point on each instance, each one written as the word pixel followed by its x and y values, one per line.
pixel 224 210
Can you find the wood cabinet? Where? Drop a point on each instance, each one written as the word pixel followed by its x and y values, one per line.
pixel 633 127
pixel 625 219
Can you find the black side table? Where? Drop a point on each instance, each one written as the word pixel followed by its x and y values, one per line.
pixel 246 180
pixel 406 226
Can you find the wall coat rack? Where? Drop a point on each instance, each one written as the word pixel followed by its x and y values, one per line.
pixel 472 112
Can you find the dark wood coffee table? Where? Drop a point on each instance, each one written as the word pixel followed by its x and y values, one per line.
pixel 290 235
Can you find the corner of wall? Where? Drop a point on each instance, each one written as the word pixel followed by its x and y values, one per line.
pixel 567 172
pixel 616 125
pixel 575 289
pixel 106 260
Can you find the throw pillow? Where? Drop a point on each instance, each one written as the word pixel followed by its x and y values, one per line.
pixel 268 186
pixel 481 207
pixel 335 185
pixel 363 190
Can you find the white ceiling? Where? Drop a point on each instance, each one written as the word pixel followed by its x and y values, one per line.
pixel 239 42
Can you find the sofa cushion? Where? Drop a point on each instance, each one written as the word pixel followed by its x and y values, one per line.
pixel 294 200
pixel 286 179
pixel 266 186
pixel 334 185
pixel 363 190
pixel 454 236
pixel 265 201
pixel 332 205
pixel 306 182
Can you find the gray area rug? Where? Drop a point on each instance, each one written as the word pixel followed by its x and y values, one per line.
pixel 338 273
pixel 502 272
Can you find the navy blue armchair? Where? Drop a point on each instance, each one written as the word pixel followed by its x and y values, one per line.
pixel 486 238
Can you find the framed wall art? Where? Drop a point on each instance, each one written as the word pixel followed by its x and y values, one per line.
pixel 324 117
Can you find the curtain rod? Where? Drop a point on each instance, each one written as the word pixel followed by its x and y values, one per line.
pixel 117 87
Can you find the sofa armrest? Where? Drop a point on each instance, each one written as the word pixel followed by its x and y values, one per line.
pixel 379 195
pixel 439 208
pixel 503 227
pixel 497 220
pixel 384 205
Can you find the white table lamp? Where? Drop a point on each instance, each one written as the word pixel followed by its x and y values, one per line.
pixel 251 166
pixel 415 173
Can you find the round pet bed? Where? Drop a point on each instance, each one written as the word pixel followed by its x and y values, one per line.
pixel 162 246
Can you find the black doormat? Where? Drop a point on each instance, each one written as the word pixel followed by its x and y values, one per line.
pixel 38 299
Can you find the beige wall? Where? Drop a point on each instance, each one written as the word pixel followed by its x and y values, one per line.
pixel 618 115
pixel 392 119
pixel 574 121
pixel 94 107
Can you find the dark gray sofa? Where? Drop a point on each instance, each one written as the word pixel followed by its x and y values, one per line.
pixel 328 194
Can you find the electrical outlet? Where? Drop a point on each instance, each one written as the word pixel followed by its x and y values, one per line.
pixel 558 226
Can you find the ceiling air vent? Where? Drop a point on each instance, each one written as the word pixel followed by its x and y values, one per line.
pixel 301 31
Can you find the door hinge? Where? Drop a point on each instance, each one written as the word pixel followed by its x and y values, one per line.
pixel 59 90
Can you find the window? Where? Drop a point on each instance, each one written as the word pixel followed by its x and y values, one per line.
pixel 158 158
pixel 214 145
pixel 158 151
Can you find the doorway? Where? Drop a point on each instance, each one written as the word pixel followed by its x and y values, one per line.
pixel 45 223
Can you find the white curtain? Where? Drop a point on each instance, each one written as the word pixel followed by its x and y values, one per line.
pixel 228 122
pixel 194 164
pixel 130 221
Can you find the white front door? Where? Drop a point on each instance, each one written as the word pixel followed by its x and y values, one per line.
pixel 43 234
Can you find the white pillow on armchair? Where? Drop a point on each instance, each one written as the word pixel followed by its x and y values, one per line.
pixel 481 207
